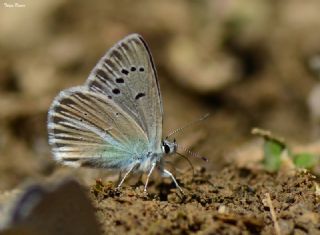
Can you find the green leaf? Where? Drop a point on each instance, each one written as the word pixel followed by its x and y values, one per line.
pixel 272 155
pixel 305 160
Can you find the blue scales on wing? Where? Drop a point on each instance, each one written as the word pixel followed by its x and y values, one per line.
pixel 86 129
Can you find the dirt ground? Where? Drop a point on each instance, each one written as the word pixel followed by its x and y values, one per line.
pixel 248 63
pixel 232 201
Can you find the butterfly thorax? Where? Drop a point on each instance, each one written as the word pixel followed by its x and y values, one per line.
pixel 146 160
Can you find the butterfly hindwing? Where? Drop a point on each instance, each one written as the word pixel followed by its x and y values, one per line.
pixel 87 129
pixel 126 75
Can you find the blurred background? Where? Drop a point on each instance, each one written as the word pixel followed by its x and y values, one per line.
pixel 249 63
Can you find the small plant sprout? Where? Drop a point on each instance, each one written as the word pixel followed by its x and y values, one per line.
pixel 275 150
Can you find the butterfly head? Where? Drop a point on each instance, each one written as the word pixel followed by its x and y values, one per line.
pixel 168 147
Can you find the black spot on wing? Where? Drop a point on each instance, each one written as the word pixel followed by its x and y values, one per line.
pixel 124 71
pixel 119 80
pixel 133 69
pixel 141 69
pixel 139 95
pixel 116 91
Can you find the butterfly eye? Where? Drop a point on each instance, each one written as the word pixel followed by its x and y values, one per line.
pixel 166 148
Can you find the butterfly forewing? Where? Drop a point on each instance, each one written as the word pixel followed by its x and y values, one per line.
pixel 85 128
pixel 126 75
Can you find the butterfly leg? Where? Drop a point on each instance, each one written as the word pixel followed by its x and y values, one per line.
pixel 119 177
pixel 149 174
pixel 167 173
pixel 125 176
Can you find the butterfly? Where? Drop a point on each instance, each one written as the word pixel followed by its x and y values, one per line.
pixel 114 120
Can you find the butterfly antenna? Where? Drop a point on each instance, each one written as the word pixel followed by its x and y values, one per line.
pixel 188 125
pixel 193 154
pixel 188 160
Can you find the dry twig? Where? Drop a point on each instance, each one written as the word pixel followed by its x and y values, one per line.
pixel 273 214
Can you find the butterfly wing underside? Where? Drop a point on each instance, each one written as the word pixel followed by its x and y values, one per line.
pixel 85 129
pixel 126 74
pixel 113 119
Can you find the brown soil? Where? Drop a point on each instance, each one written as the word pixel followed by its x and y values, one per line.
pixel 232 201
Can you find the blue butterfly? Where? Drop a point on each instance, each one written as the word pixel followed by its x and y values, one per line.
pixel 114 120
